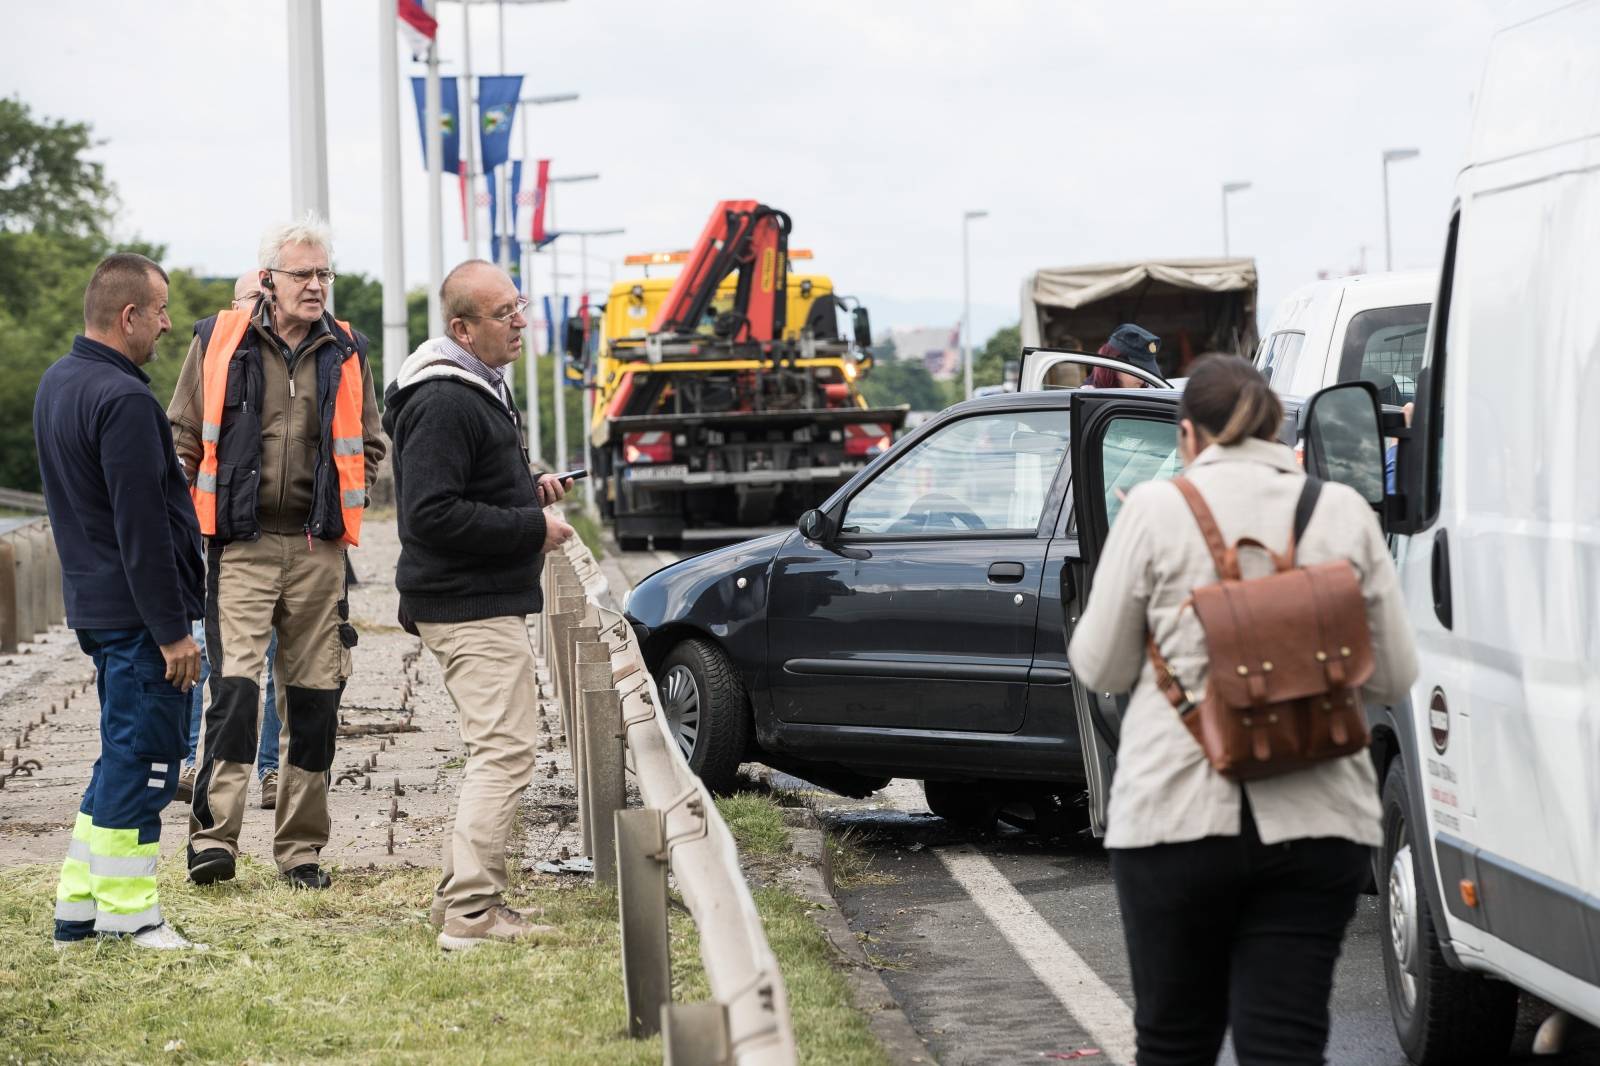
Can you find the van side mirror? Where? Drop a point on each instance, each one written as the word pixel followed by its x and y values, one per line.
pixel 815 525
pixel 1344 441
pixel 863 327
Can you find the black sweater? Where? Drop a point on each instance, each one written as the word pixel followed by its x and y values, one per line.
pixel 119 504
pixel 470 523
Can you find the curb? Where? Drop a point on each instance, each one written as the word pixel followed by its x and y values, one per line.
pixel 813 882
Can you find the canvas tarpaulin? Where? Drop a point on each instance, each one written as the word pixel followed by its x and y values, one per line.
pixel 1194 305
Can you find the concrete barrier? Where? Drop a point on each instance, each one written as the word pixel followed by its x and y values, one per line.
pixel 31 597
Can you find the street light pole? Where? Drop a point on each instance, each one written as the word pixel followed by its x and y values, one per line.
pixel 432 105
pixel 308 121
pixel 395 342
pixel 1391 155
pixel 966 300
pixel 1229 187
pixel 535 445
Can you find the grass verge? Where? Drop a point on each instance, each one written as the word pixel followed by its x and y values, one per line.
pixel 827 1027
pixel 347 975
pixel 352 975
pixel 588 530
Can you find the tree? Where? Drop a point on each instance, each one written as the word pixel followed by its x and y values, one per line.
pixel 988 363
pixel 902 381
pixel 45 183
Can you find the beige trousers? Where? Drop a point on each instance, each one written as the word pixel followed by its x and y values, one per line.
pixel 488 671
pixel 252 588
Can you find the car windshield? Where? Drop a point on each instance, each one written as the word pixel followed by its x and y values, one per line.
pixel 987 472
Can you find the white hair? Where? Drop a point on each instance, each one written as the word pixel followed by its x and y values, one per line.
pixel 310 229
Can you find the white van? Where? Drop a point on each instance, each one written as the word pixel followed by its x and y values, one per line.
pixel 1369 327
pixel 1491 775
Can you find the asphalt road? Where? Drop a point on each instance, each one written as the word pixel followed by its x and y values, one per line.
pixel 1004 948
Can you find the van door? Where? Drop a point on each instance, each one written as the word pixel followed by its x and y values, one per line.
pixel 1119 439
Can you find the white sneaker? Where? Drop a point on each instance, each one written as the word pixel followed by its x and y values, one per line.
pixel 165 938
pixel 73 945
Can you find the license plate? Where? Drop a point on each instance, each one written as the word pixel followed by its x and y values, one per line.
pixel 656 473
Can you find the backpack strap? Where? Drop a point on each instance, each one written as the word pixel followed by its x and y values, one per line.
pixel 1227 564
pixel 1302 513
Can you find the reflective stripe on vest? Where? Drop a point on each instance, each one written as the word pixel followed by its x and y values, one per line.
pixel 349 457
pixel 225 337
pixel 349 445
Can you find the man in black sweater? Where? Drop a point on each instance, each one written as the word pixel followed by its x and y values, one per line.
pixel 134 580
pixel 472 527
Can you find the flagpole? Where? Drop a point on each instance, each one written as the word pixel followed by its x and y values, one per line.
pixel 395 346
pixel 531 350
pixel 558 347
pixel 433 105
pixel 469 129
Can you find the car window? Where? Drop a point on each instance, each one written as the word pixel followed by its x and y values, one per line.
pixel 1135 450
pixel 1385 346
pixel 985 473
pixel 1279 356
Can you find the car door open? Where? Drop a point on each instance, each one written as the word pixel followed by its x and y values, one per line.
pixel 1053 368
pixel 1119 439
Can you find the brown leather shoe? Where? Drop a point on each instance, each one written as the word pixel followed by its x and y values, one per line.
pixel 497 923
pixel 186 776
pixel 269 790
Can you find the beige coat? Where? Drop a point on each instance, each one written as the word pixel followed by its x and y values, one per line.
pixel 1164 790
pixel 290 426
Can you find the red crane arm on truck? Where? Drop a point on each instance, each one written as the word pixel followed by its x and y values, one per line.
pixel 741 235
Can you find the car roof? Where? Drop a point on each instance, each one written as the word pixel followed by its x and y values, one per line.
pixel 1314 304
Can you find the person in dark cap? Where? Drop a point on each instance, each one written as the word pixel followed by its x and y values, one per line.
pixel 1134 346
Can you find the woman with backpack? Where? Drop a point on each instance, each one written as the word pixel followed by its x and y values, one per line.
pixel 1244 803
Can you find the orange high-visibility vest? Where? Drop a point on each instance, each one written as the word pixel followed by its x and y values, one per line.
pixel 348 443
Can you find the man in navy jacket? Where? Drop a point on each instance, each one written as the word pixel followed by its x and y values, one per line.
pixel 134 579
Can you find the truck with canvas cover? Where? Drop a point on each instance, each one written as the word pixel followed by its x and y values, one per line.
pixel 1195 306
pixel 726 395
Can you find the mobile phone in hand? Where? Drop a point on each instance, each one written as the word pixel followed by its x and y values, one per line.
pixel 573 475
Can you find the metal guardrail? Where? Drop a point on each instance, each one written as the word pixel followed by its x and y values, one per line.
pixel 614 723
pixel 31 598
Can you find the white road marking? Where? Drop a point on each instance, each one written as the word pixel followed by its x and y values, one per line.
pixel 1093 1004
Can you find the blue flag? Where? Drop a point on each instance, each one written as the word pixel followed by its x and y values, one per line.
pixel 497 108
pixel 515 251
pixel 449 112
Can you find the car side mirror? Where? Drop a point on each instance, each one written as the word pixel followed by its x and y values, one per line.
pixel 815 525
pixel 862 324
pixel 1344 439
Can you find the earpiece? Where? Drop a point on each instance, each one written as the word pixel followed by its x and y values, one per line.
pixel 266 280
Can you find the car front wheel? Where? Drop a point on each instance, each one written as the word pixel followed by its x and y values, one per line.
pixel 707 711
pixel 1441 1015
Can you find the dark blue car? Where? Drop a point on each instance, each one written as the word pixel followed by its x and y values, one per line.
pixel 916 624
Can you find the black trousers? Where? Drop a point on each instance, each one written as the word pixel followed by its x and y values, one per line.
pixel 1230 931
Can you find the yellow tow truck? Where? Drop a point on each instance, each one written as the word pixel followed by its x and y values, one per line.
pixel 726 395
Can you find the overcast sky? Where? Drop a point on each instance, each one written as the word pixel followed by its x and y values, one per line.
pixel 1090 131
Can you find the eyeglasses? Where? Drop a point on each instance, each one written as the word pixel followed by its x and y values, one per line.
pixel 248 297
pixel 303 276
pixel 505 319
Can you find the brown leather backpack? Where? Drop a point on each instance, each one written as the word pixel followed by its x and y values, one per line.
pixel 1289 653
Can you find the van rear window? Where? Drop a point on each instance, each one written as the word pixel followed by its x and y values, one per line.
pixel 1385 346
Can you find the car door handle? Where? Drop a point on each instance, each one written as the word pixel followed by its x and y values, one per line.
pixel 1006 573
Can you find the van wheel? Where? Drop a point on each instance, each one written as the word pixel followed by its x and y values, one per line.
pixel 1441 1015
pixel 707 711
pixel 965 804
